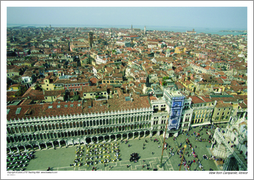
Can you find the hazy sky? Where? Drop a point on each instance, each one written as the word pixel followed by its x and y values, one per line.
pixel 206 17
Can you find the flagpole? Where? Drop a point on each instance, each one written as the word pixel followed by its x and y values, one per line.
pixel 164 139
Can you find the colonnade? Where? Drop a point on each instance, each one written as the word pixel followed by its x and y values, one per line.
pixel 73 140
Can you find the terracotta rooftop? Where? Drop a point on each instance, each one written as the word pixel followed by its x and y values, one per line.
pixel 77 107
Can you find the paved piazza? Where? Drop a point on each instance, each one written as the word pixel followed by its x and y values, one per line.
pixel 59 159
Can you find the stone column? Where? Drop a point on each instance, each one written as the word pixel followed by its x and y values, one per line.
pixel 46 145
pixel 59 143
pixel 14 140
pixel 121 136
pixel 27 129
pixel 39 146
pixel 109 138
pixel 17 148
pixel 115 137
pixel 127 135
pixel 53 145
pixel 133 135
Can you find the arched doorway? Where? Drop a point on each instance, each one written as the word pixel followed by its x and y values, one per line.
pixel 154 133
pixel 94 139
pixel 118 136
pixel 231 164
pixel 88 140
pixel 135 134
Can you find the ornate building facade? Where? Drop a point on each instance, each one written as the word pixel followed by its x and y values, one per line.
pixel 68 123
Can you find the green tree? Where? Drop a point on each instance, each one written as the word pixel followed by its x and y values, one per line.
pixel 76 98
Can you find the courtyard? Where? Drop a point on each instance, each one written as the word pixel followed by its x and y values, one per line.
pixel 149 150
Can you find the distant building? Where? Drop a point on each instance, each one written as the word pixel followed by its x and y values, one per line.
pixel 191 32
pixel 91 39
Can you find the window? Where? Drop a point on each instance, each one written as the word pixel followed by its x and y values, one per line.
pixel 58 106
pixel 71 105
pixel 84 94
pixel 50 107
pixel 218 114
pixel 66 106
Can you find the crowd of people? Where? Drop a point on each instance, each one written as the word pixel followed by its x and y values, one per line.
pixel 18 161
pixel 97 153
pixel 78 157
pixel 189 150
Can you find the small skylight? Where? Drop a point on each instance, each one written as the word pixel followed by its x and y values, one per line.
pixel 18 110
pixel 127 99
pixel 50 107
pixel 78 105
pixel 58 106
pixel 66 105
pixel 71 105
